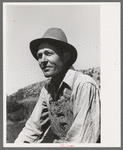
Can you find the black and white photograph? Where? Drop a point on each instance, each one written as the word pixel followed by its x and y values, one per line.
pixel 56 90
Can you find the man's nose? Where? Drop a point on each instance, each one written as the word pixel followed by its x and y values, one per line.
pixel 43 58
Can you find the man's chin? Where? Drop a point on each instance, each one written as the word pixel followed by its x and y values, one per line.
pixel 47 75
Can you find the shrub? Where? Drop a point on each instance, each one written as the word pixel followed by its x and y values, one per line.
pixel 20 94
pixel 19 111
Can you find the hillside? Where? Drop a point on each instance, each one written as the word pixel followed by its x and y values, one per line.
pixel 33 90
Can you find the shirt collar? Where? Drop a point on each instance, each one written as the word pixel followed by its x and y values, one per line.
pixel 68 79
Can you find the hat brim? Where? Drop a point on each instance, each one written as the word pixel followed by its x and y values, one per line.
pixel 35 44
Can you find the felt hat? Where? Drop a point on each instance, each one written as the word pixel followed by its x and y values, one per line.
pixel 56 36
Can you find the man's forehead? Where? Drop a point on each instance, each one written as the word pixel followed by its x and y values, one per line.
pixel 55 47
pixel 46 45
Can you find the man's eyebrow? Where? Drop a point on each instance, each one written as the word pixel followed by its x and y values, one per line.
pixel 39 53
pixel 45 51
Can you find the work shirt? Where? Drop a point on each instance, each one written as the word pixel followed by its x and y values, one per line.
pixel 72 114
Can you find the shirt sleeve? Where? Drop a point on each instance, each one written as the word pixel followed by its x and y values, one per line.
pixel 86 125
pixel 37 125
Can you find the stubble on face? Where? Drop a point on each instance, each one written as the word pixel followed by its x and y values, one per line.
pixel 50 60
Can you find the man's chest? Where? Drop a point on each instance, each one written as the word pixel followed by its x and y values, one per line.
pixel 60 111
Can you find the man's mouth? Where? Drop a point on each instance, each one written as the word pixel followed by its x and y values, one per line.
pixel 46 68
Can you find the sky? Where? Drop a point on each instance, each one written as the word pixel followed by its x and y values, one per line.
pixel 24 23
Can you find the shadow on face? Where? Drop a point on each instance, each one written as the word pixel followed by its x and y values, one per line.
pixel 58 49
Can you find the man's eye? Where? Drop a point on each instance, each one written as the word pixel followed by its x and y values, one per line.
pixel 48 54
pixel 39 55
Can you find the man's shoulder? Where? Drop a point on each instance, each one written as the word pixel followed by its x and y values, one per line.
pixel 85 77
pixel 82 79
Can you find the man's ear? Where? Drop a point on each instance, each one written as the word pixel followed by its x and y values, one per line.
pixel 67 56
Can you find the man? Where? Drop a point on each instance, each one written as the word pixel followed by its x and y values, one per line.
pixel 68 109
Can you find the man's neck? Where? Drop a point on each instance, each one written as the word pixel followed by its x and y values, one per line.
pixel 58 78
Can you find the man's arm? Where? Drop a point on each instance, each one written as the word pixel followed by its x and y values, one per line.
pixel 86 125
pixel 37 125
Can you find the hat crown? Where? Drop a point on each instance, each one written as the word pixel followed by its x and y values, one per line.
pixel 55 33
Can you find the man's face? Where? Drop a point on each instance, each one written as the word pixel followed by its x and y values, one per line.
pixel 50 60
